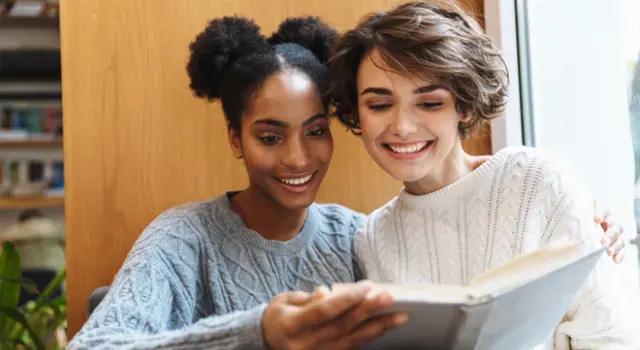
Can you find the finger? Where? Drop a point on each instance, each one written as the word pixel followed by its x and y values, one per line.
pixel 371 330
pixel 373 305
pixel 320 293
pixel 604 219
pixel 332 307
pixel 296 298
pixel 607 223
pixel 616 247
pixel 619 258
pixel 614 231
pixel 611 235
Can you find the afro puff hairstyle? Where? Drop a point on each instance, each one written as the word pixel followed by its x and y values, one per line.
pixel 230 60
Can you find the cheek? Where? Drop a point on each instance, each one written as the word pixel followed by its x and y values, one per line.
pixel 370 127
pixel 257 158
pixel 444 126
pixel 322 149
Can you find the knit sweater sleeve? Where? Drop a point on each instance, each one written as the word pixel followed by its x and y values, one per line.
pixel 365 246
pixel 601 316
pixel 356 224
pixel 152 302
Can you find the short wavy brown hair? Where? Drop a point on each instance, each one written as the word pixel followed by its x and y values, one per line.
pixel 437 41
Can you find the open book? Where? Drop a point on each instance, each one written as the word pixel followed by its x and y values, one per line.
pixel 514 306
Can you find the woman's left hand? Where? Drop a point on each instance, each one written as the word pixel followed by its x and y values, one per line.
pixel 613 236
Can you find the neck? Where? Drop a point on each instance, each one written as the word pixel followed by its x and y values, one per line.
pixel 257 212
pixel 455 166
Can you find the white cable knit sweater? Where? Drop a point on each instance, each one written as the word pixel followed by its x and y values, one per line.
pixel 518 200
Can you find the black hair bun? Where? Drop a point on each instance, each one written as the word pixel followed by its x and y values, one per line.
pixel 223 41
pixel 309 32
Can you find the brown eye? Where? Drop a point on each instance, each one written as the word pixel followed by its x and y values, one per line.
pixel 269 140
pixel 430 105
pixel 380 106
pixel 317 132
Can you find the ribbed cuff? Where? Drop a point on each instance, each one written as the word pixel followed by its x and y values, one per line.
pixel 251 332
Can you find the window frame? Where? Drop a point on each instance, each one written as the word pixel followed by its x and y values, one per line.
pixel 501 25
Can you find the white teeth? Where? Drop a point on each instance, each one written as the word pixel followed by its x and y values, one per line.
pixel 409 149
pixel 295 182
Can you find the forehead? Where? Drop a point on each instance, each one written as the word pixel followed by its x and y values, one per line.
pixel 286 91
pixel 375 71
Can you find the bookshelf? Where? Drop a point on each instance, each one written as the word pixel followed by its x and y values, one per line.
pixel 9 203
pixel 30 106
pixel 29 22
pixel 31 144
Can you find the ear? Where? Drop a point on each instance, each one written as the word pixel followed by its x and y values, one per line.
pixel 234 142
pixel 464 117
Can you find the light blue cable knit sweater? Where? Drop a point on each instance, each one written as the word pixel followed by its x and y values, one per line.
pixel 198 278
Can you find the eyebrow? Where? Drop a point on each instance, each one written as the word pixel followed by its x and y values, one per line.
pixel 428 88
pixel 376 91
pixel 315 117
pixel 281 124
pixel 387 92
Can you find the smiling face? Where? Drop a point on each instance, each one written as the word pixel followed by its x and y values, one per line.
pixel 409 124
pixel 285 140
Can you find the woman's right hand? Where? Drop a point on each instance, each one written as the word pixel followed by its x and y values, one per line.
pixel 299 320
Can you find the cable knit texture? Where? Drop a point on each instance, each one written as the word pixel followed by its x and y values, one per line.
pixel 198 278
pixel 517 201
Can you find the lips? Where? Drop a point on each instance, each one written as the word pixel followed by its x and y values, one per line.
pixel 407 150
pixel 297 183
pixel 411 148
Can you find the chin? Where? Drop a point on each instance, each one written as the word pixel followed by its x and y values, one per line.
pixel 295 203
pixel 404 173
pixel 407 176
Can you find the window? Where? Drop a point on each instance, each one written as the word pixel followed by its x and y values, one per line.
pixel 575 89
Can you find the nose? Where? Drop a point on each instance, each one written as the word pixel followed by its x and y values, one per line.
pixel 402 124
pixel 296 155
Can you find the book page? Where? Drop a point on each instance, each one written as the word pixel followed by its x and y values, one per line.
pixel 433 293
pixel 518 271
pixel 524 268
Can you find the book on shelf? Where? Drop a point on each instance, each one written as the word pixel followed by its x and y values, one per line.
pixel 29 177
pixel 30 123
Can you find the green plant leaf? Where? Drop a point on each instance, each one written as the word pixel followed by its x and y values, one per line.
pixel 10 269
pixel 9 292
pixel 11 343
pixel 58 306
pixel 18 317
pixel 25 283
pixel 42 299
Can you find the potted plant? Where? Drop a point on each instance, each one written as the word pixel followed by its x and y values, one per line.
pixel 38 324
